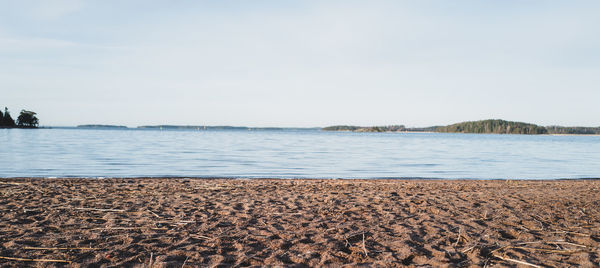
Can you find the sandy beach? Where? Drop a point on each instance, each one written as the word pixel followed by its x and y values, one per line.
pixel 220 222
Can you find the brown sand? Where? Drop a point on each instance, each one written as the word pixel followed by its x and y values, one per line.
pixel 202 222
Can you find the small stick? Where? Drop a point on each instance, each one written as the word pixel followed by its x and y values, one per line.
pixel 567 232
pixel 566 251
pixel 541 223
pixel 363 244
pixel 155 215
pixel 468 249
pixel 458 238
pixel 101 209
pixel 500 248
pixel 568 243
pixel 200 236
pixel 117 228
pixel 35 260
pixel 553 242
pixel 12 183
pixel 516 261
pixel 186 259
pixel 38 248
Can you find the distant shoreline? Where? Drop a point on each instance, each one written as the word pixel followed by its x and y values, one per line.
pixel 212 128
pixel 489 126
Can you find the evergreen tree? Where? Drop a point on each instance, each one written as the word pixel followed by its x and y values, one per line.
pixel 7 120
pixel 27 119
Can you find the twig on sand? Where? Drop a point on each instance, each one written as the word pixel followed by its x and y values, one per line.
pixel 567 243
pixel 540 222
pixel 117 228
pixel 39 248
pixel 554 242
pixel 516 261
pixel 560 251
pixel 568 251
pixel 363 245
pixel 567 232
pixel 93 209
pixel 468 249
pixel 200 237
pixel 129 228
pixel 34 260
pixel 21 183
pixel 523 247
pixel 101 209
pixel 12 183
pixel 155 215
pixel 458 238
pixel 184 222
pixel 186 259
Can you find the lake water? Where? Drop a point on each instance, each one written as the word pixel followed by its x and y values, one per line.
pixel 293 154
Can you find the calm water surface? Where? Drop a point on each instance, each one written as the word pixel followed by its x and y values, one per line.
pixel 293 154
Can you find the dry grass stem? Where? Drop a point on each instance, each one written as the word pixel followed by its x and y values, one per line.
pixel 201 237
pixel 363 245
pixel 33 260
pixel 458 237
pixel 12 183
pixel 186 259
pixel 567 232
pixel 468 249
pixel 41 248
pixel 516 261
pixel 101 209
pixel 560 251
pixel 154 214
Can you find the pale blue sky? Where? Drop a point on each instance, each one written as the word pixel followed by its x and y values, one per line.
pixel 301 63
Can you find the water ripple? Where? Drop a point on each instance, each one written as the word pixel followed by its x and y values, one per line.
pixel 297 154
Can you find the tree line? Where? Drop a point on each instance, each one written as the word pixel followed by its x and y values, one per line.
pixel 496 126
pixel 26 119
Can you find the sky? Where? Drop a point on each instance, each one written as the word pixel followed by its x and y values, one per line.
pixel 301 63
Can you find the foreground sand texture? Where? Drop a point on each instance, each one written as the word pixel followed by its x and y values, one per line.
pixel 203 222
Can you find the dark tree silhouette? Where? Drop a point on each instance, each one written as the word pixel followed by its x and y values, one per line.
pixel 27 119
pixel 7 120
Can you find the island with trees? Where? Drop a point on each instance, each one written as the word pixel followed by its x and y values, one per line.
pixel 26 119
pixel 494 126
pixel 490 126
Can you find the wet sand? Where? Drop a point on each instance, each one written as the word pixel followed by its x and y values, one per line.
pixel 204 222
